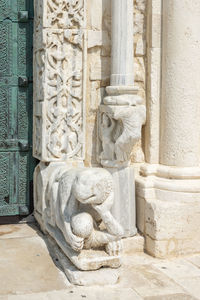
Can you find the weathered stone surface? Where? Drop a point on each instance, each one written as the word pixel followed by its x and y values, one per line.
pixel 142 276
pixel 124 205
pixel 93 293
pixel 59 84
pixel 148 281
pixel 180 296
pixel 18 231
pixel 99 37
pixel 27 267
pixel 103 276
pixel 72 203
pixel 119 129
pixel 133 245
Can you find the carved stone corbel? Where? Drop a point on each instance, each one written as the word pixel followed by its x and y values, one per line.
pixel 120 129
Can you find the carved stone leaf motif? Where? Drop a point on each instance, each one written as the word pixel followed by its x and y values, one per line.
pixel 64 94
pixel 59 14
pixel 64 13
pixel 59 76
pixel 58 79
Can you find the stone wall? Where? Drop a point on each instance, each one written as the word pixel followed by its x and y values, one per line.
pixel 98 62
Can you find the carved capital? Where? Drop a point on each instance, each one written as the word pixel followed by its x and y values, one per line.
pixel 119 130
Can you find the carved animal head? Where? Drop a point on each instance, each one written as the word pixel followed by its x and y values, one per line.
pixel 92 185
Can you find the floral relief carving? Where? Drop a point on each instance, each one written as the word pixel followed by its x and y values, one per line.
pixel 65 13
pixel 64 94
pixel 59 74
pixel 58 77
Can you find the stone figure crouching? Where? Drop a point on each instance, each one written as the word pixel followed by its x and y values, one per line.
pixel 78 208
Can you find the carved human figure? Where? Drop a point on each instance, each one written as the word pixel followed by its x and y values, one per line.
pixel 81 210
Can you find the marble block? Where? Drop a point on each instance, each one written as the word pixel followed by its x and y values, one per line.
pixel 123 208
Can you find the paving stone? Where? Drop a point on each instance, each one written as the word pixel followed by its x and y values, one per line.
pixel 171 297
pixel 194 260
pixel 148 281
pixel 191 285
pixel 81 294
pixel 184 273
pixel 178 268
pixel 27 272
pixel 27 267
pixel 139 259
pixel 18 231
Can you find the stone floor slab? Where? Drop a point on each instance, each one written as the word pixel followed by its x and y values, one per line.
pixel 171 297
pixel 179 268
pixel 18 231
pixel 191 285
pixel 195 259
pixel 93 293
pixel 27 267
pixel 28 272
pixel 148 281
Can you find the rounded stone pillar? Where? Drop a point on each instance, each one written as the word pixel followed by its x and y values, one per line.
pixel 180 101
pixel 122 43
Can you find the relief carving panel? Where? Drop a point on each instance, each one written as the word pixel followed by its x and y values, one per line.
pixel 59 14
pixel 58 76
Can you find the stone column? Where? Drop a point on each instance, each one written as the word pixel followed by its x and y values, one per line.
pixel 122 116
pixel 168 194
pixel 122 43
pixel 180 110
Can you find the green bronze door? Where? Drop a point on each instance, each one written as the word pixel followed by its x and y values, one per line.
pixel 16 162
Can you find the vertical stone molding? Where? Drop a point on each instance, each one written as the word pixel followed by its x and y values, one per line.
pixel 59 80
pixel 153 86
pixel 168 193
pixel 122 116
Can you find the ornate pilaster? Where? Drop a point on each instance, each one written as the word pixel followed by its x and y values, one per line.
pixel 59 80
pixel 168 194
pixel 122 116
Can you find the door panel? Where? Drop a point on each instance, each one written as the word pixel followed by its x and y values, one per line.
pixel 16 162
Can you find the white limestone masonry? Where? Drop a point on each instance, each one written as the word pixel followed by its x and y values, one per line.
pixel 116 128
pixel 168 191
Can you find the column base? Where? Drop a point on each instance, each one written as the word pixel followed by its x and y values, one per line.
pixel 168 210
